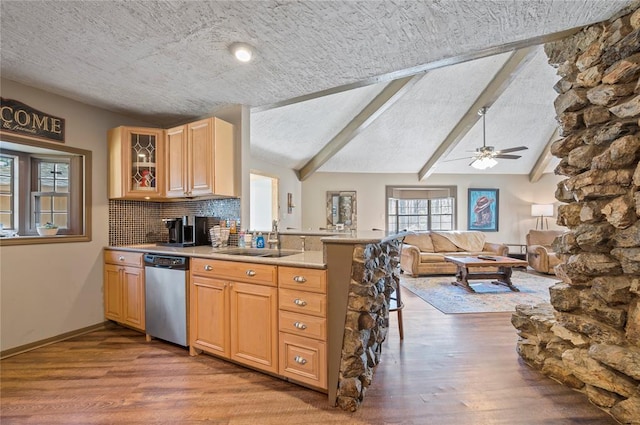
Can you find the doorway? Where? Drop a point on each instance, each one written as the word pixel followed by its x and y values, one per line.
pixel 263 201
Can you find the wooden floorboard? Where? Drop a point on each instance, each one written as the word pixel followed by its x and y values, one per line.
pixel 450 369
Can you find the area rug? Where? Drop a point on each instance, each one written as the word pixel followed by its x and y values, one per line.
pixel 489 298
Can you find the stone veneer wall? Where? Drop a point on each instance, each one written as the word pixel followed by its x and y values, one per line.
pixel 589 337
pixel 374 277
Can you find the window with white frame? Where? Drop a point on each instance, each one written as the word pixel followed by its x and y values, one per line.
pixel 419 208
pixel 50 194
pixel 8 164
pixel 36 189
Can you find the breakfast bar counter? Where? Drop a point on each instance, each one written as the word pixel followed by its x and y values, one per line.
pixel 361 274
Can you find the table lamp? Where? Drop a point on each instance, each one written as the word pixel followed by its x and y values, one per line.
pixel 539 211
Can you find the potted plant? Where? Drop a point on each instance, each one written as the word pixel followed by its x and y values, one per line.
pixel 48 229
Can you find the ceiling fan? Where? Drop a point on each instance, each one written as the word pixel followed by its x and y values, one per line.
pixel 484 156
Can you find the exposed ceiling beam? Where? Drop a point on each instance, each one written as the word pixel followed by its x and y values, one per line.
pixel 489 95
pixel 543 160
pixel 387 97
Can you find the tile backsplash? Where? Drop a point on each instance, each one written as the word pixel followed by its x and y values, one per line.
pixel 138 222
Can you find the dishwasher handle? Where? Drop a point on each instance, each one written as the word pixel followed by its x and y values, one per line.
pixel 166 262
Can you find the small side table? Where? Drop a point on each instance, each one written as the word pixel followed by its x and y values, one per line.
pixel 519 251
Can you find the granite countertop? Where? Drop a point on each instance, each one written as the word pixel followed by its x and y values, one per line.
pixel 364 237
pixel 349 236
pixel 308 259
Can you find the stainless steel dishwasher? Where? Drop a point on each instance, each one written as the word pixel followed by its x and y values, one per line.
pixel 166 297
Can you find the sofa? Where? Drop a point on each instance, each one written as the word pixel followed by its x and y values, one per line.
pixel 540 253
pixel 424 252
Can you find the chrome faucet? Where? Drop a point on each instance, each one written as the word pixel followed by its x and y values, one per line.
pixel 273 239
pixel 303 241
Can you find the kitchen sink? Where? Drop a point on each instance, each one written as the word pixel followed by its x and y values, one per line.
pixel 258 252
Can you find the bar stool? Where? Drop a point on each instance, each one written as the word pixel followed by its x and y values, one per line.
pixel 395 300
pixel 396 304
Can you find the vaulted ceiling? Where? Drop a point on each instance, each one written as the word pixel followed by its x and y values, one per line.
pixel 336 86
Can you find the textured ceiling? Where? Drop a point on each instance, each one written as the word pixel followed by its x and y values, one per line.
pixel 167 62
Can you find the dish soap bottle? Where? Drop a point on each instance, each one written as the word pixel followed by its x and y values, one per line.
pixel 241 241
pixel 260 241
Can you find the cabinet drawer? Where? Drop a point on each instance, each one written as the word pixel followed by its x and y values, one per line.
pixel 303 325
pixel 303 360
pixel 313 280
pixel 124 258
pixel 263 274
pixel 303 302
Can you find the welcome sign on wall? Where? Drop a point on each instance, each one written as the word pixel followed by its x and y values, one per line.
pixel 18 118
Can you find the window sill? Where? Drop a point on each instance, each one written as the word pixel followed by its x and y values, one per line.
pixel 35 240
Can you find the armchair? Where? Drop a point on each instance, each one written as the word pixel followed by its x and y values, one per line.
pixel 540 254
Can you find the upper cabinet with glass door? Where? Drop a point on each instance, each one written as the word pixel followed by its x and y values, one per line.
pixel 136 158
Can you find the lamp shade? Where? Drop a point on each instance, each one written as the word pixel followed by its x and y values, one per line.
pixel 542 210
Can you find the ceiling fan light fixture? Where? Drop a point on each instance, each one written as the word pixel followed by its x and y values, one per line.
pixel 484 163
pixel 242 51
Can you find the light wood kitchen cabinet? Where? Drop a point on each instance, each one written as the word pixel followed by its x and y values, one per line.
pixel 234 312
pixel 136 163
pixel 200 159
pixel 254 325
pixel 303 325
pixel 124 296
pixel 209 311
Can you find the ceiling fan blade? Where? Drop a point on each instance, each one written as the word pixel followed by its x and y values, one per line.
pixel 457 159
pixel 507 156
pixel 519 148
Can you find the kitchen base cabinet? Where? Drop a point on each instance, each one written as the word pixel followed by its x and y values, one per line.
pixel 234 312
pixel 270 318
pixel 209 310
pixel 303 325
pixel 254 326
pixel 124 288
pixel 303 360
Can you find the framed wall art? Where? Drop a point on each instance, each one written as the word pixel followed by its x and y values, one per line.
pixel 483 210
pixel 341 210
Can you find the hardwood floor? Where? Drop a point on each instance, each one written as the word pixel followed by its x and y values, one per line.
pixel 450 369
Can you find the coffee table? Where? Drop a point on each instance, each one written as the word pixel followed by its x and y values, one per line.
pixel 465 265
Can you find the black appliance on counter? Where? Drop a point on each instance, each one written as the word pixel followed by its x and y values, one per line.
pixel 181 233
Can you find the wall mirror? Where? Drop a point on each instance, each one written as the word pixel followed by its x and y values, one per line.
pixel 43 182
pixel 341 210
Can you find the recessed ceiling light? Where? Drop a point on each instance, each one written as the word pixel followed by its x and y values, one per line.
pixel 242 51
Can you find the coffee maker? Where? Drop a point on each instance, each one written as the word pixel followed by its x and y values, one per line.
pixel 181 233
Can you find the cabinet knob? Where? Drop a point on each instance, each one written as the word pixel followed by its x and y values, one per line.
pixel 299 279
pixel 300 360
pixel 208 267
pixel 121 258
pixel 300 325
pixel 251 273
pixel 299 302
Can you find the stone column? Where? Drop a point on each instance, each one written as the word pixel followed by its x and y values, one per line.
pixel 374 277
pixel 589 337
